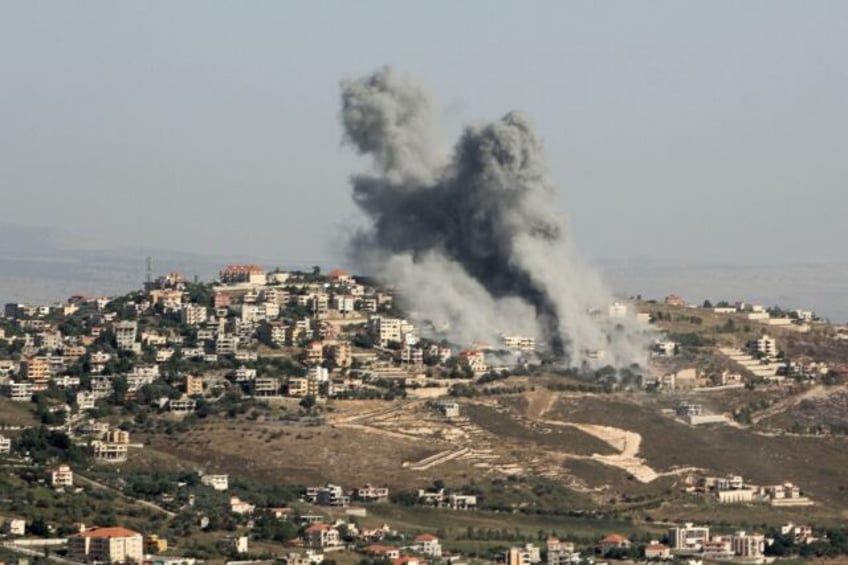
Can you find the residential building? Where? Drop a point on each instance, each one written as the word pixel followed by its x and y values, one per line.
pixel 5 444
pixel 154 544
pixel 519 342
pixel 370 493
pixel 252 274
pixel 449 408
pixel 561 552
pixel 20 392
pixel 688 537
pixel 327 495
pixel 238 506
pixel 182 405
pixel 526 555
pixel 62 476
pixel 618 310
pixel 193 314
pixel 747 545
pixel 16 527
pixel 321 536
pixel 612 542
pixel 226 344
pixel 193 386
pixel 766 346
pixel 36 369
pixel 657 551
pixel 125 335
pixel 106 545
pixel 428 544
pixel 109 452
pixel 217 482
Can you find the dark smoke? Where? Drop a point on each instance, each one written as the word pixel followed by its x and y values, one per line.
pixel 486 212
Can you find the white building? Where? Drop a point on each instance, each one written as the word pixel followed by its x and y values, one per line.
pixel 618 310
pixel 61 477
pixel 106 545
pixel 125 335
pixel 428 544
pixel 766 346
pixel 748 545
pixel 217 482
pixel 688 537
pixel 5 444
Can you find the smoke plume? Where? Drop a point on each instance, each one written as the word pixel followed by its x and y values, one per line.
pixel 472 237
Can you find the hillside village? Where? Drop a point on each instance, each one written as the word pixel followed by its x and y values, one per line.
pixel 117 412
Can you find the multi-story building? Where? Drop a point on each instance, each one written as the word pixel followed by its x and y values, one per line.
pixel 747 545
pixel 320 536
pixel 688 537
pixel 217 482
pixel 62 476
pixel 252 274
pixel 266 386
pixel 226 344
pixel 5 444
pixel 106 545
pixel 561 552
pixel 766 346
pixel 109 452
pixel 20 392
pixel 328 495
pixel 428 544
pixel 125 335
pixel 36 369
pixel 526 555
pixel 370 493
pixel 193 385
pixel 193 314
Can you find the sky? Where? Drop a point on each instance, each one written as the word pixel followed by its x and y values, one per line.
pixel 710 131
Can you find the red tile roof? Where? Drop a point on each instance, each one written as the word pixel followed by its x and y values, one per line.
pixel 426 537
pixel 115 532
pixel 614 538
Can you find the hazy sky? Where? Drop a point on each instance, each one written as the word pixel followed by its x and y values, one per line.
pixel 710 130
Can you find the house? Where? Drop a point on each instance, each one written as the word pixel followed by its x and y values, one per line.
pixel 674 300
pixel 428 544
pixel 5 444
pixel 16 527
pixel 657 551
pixel 61 477
pixel 106 545
pixel 183 405
pixel 216 482
pixel 613 542
pixel 328 495
pixel 449 408
pixel 382 551
pixel 527 555
pixel 238 506
pixel 154 544
pixel 321 536
pixel 109 452
pixel 238 544
pixel 370 493
pixel 561 552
